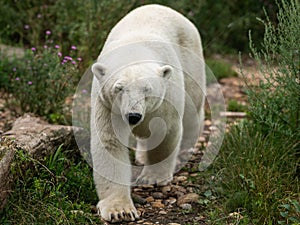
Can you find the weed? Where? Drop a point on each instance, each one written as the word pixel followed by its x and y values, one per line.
pixel 55 191
pixel 258 171
pixel 41 81
pixel 274 104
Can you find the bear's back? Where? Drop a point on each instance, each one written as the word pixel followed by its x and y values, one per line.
pixel 155 22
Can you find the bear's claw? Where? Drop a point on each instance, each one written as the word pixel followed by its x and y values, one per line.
pixel 117 211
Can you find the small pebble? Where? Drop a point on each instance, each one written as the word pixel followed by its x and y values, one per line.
pixel 201 139
pixel 171 200
pixel 188 198
pixel 157 204
pixel 207 122
pixel 147 186
pixel 186 206
pixel 157 195
pixel 166 189
pixel 150 199
pixel 162 212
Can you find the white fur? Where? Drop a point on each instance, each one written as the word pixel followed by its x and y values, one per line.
pixel 144 53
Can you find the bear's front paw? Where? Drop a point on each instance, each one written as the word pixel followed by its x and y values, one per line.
pixel 113 210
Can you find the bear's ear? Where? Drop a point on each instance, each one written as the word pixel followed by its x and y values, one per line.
pixel 165 71
pixel 98 70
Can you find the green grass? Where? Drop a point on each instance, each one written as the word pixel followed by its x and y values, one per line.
pixel 58 190
pixel 218 69
pixel 255 174
pixel 235 106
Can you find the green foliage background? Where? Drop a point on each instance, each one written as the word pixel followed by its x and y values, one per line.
pixel 223 24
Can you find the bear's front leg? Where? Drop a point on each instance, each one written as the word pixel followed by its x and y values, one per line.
pixel 112 177
pixel 112 172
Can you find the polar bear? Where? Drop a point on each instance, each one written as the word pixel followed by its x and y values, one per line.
pixel 149 84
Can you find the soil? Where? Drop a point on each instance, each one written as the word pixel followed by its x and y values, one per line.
pixel 172 204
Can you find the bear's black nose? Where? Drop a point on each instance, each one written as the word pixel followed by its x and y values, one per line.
pixel 133 118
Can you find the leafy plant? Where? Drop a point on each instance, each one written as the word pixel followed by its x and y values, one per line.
pixel 41 81
pixel 58 190
pixel 274 103
pixel 290 211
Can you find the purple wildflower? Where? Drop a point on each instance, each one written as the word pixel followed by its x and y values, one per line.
pixel 17 78
pixel 26 27
pixel 68 58
pixel 73 47
pixel 29 82
pixel 59 54
pixel 48 32
pixel 14 69
pixel 33 49
pixel 45 46
pixel 79 59
pixel 73 62
pixel 56 46
pixel 39 16
pixel 84 91
pixel 64 61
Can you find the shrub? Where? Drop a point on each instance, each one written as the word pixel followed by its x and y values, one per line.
pixel 274 103
pixel 81 23
pixel 258 165
pixel 41 81
pixel 223 25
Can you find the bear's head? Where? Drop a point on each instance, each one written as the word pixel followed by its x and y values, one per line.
pixel 133 91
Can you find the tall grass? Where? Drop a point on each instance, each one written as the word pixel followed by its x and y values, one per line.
pixel 58 190
pixel 258 165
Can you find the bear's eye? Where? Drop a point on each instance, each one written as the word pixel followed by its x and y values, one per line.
pixel 147 89
pixel 119 88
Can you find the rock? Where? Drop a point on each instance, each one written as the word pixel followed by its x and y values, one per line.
pixel 35 136
pixel 173 224
pixel 184 174
pixel 166 189
pixel 157 195
pixel 147 186
pixel 207 122
pixel 181 178
pixel 202 139
pixel 157 204
pixel 40 138
pixel 171 201
pixel 150 199
pixel 186 206
pixel 7 151
pixel 178 188
pixel 162 212
pixel 188 198
pixel 194 174
pixel 12 52
pixel 138 199
pixel 179 194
